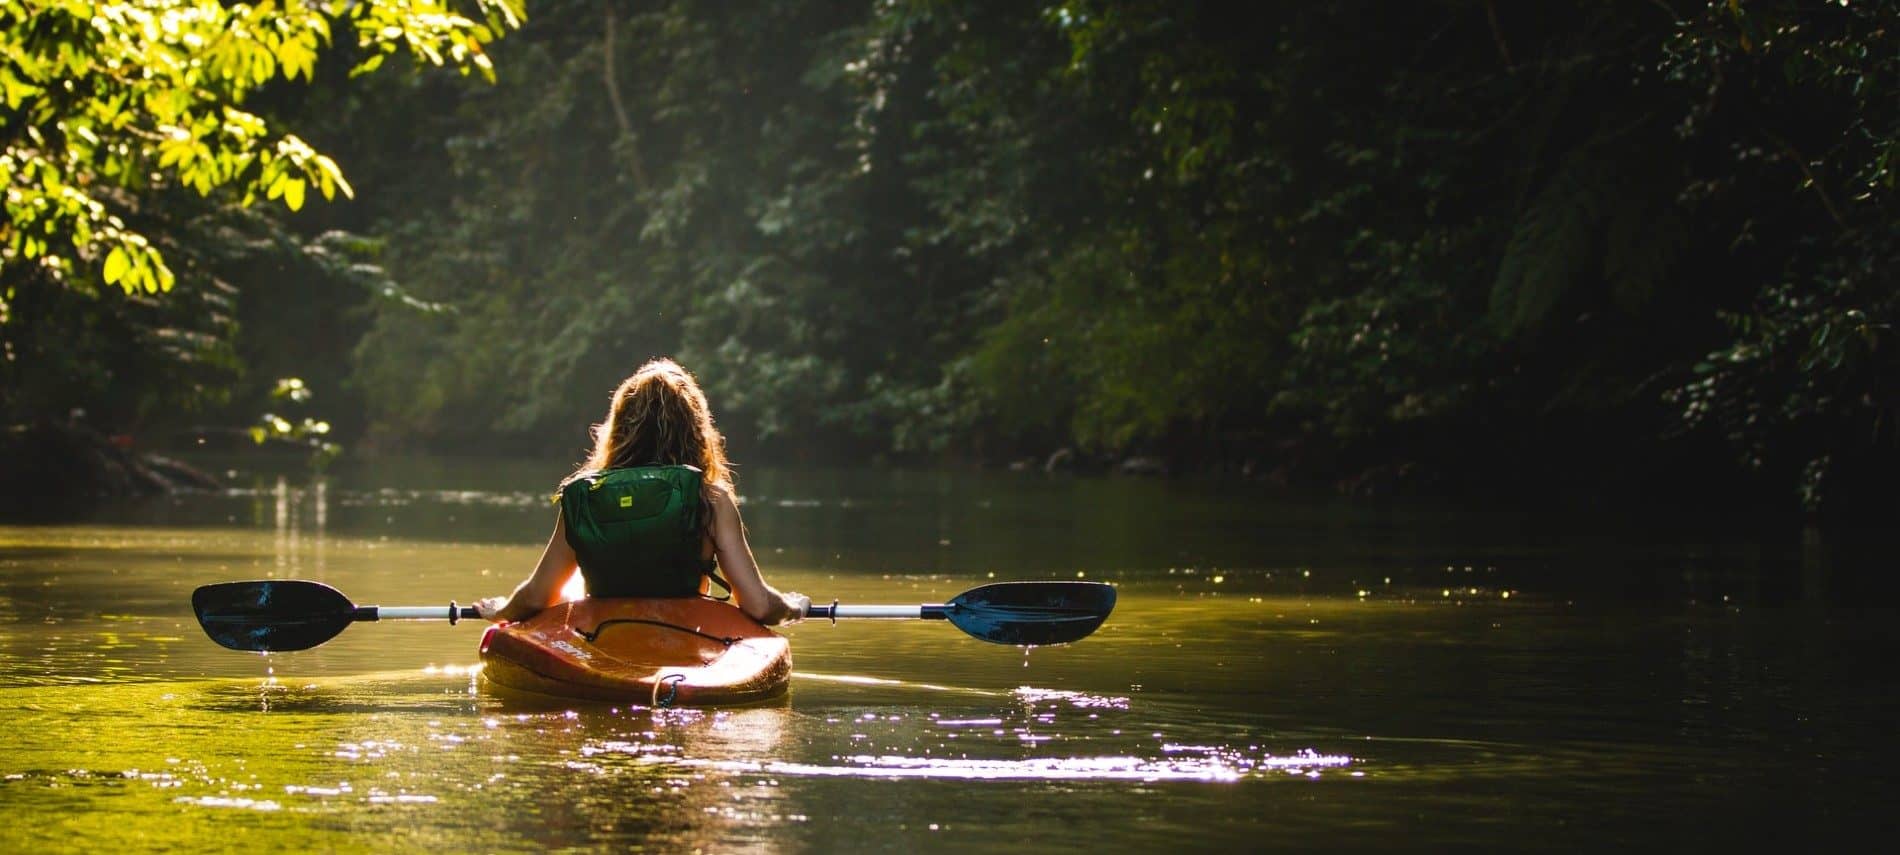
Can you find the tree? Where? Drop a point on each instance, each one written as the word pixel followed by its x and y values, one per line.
pixel 1463 239
pixel 115 106
pixel 1799 132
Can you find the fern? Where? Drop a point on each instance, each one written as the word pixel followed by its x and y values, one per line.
pixel 1553 248
pixel 1597 231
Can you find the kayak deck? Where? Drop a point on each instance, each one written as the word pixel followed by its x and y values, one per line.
pixel 660 652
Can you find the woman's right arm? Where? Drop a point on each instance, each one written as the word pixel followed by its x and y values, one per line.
pixel 758 600
pixel 542 588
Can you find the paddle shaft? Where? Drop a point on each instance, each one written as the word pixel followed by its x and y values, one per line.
pixel 835 611
pixel 450 612
pixel 831 612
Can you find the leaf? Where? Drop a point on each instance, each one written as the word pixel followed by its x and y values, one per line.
pixel 293 193
pixel 116 263
pixel 17 91
pixel 165 278
pixel 368 65
pixel 337 176
pixel 330 178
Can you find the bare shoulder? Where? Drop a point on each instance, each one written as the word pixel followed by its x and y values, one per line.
pixel 724 513
pixel 723 502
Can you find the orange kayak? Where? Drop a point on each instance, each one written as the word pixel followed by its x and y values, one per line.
pixel 658 652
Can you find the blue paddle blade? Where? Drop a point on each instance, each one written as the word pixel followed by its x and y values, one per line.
pixel 1031 613
pixel 271 615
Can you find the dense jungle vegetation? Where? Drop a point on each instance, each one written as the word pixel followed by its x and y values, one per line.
pixel 1449 245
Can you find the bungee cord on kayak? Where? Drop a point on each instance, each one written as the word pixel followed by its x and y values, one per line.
pixel 727 640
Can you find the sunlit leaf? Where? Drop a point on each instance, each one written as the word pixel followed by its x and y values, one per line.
pixel 369 65
pixel 116 263
pixel 164 81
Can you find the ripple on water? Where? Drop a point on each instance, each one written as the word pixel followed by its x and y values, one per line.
pixel 1045 735
pixel 1216 765
pixel 238 802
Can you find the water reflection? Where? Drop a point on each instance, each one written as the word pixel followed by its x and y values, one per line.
pixel 583 776
pixel 290 507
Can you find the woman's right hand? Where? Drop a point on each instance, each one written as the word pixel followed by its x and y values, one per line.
pixel 490 607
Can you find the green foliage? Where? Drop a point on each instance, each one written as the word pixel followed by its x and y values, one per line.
pixel 127 157
pixel 307 431
pixel 1323 237
pixel 673 184
pixel 109 98
pixel 1363 230
pixel 1796 103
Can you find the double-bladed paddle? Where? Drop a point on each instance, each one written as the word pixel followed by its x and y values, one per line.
pixel 294 614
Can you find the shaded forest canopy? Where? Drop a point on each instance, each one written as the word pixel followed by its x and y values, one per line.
pixel 1450 244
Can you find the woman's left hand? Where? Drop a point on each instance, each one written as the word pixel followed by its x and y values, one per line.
pixel 797 606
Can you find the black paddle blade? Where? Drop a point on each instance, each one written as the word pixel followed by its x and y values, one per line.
pixel 1032 613
pixel 273 614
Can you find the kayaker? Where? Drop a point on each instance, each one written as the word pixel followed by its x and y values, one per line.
pixel 651 511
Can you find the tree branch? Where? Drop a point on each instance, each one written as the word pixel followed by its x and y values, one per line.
pixel 1788 149
pixel 1497 35
pixel 629 139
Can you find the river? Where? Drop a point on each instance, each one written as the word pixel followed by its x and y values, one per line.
pixel 1280 673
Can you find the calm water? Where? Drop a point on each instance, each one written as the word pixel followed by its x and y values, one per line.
pixel 1278 674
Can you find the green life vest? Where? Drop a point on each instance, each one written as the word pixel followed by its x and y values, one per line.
pixel 637 532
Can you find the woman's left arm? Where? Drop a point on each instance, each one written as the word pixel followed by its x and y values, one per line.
pixel 542 587
pixel 750 593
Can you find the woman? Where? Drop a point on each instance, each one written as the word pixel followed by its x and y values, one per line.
pixel 657 442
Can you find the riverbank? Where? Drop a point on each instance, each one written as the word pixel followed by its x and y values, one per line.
pixel 50 469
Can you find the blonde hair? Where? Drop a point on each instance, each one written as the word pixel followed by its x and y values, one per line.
pixel 659 416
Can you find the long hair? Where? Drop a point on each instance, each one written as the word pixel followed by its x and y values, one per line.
pixel 659 416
